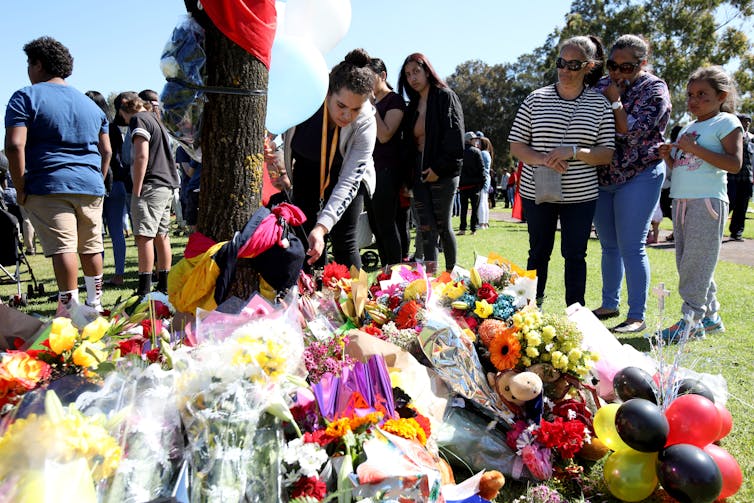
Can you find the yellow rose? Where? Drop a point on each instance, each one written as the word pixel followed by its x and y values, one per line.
pixel 548 333
pixel 483 309
pixel 532 352
pixel 575 355
pixel 89 354
pixel 63 335
pixel 95 330
pixel 19 367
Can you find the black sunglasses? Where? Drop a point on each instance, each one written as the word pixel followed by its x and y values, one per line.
pixel 572 64
pixel 624 67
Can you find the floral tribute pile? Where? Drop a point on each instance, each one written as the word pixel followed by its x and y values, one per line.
pixel 354 390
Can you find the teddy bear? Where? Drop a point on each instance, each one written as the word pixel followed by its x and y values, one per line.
pixel 522 389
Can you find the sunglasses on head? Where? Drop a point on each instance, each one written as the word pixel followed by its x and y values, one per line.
pixel 572 64
pixel 624 67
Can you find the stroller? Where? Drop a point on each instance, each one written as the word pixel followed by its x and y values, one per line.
pixel 12 254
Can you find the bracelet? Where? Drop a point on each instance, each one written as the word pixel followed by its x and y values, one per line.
pixel 573 157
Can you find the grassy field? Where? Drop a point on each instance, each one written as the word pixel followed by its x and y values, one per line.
pixel 726 354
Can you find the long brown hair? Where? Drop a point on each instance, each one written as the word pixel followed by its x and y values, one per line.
pixel 432 77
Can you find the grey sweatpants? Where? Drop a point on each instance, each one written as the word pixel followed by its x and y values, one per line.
pixel 698 230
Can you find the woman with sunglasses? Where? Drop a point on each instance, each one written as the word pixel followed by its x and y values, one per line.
pixel 433 132
pixel 630 186
pixel 568 128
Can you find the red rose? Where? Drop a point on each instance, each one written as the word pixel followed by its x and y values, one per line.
pixel 373 330
pixel 309 486
pixel 487 292
pixel 147 327
pixel 153 355
pixel 394 302
pixel 161 310
pixel 130 347
pixel 472 323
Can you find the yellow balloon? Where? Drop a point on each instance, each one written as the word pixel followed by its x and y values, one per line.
pixel 631 475
pixel 604 427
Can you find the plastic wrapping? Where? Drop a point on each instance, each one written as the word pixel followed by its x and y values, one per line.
pixel 146 422
pixel 457 363
pixel 183 59
pixel 474 441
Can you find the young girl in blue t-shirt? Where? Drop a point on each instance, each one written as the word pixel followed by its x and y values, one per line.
pixel 707 150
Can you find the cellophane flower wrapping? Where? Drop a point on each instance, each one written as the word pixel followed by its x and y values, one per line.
pixel 144 417
pixel 225 388
pixel 60 446
pixel 455 360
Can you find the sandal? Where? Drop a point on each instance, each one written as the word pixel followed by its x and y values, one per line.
pixel 604 313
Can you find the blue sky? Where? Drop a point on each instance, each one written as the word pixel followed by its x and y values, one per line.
pixel 116 45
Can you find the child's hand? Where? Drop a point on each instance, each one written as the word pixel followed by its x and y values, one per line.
pixel 687 143
pixel 665 150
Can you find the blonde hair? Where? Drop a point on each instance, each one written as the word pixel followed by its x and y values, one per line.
pixel 721 82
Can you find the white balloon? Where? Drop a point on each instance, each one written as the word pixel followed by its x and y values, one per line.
pixel 322 22
pixel 297 84
pixel 280 15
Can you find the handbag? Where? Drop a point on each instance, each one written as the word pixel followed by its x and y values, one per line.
pixel 548 183
pixel 548 186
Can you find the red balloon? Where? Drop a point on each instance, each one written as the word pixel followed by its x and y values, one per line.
pixel 693 420
pixel 726 421
pixel 729 468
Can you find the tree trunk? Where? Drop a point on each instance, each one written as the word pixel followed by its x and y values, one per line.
pixel 232 145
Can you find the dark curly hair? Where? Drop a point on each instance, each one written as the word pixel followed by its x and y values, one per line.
pixel 353 73
pixel 54 56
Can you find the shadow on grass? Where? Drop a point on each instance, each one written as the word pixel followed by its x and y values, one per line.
pixel 639 342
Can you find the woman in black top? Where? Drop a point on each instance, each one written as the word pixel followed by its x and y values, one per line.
pixel 433 129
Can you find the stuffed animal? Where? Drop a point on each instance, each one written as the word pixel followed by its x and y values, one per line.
pixel 523 389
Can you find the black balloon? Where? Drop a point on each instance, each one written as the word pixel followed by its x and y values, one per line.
pixel 633 382
pixel 642 425
pixel 695 387
pixel 689 474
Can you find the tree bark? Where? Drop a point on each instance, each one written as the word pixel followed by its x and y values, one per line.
pixel 232 145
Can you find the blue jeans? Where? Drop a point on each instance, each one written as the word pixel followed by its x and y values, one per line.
pixel 114 209
pixel 622 220
pixel 575 227
pixel 434 203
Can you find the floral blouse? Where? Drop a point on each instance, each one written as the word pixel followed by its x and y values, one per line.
pixel 647 103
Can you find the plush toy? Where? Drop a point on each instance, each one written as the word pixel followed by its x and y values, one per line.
pixel 490 484
pixel 523 389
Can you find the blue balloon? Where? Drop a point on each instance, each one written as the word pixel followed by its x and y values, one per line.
pixel 297 85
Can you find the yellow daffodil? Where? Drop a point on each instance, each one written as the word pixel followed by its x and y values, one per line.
pixel 89 354
pixel 63 335
pixel 94 331
pixel 483 309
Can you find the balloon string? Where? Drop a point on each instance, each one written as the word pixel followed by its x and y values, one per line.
pixel 217 89
pixel 742 402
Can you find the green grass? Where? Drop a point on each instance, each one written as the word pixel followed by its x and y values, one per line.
pixel 727 354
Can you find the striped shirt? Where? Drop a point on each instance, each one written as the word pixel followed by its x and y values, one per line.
pixel 546 121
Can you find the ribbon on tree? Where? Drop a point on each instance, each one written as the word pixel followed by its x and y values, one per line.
pixel 249 23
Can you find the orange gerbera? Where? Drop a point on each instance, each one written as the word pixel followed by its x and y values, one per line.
pixel 505 350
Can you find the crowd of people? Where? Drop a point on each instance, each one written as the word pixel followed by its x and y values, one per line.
pixel 591 148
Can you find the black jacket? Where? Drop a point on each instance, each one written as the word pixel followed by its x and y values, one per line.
pixel 472 174
pixel 444 130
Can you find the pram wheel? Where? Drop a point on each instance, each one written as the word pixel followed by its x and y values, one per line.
pixel 370 259
pixel 29 291
pixel 40 289
pixel 18 301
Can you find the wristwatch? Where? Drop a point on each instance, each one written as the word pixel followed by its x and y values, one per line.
pixel 615 105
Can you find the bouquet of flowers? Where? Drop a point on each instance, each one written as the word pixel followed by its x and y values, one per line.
pixel 78 453
pixel 493 289
pixel 564 430
pixel 226 388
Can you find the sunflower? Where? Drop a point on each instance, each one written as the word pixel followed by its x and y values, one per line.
pixel 505 350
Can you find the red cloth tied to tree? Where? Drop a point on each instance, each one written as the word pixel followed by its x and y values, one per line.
pixel 249 23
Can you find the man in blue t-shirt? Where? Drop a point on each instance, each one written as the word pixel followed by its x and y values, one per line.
pixel 58 150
